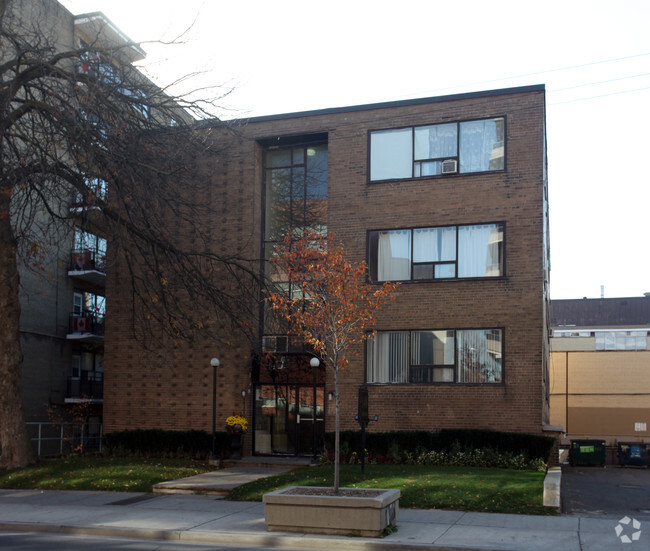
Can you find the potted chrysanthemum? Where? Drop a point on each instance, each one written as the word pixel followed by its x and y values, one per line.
pixel 237 426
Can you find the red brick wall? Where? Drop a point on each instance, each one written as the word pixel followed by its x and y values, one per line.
pixel 175 392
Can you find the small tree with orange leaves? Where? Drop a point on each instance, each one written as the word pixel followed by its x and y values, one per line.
pixel 332 305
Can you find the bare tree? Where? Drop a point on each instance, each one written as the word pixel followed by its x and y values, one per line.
pixel 86 139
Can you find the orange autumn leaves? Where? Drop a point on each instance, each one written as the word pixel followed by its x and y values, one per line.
pixel 332 306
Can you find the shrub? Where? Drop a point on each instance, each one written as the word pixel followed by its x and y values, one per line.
pixel 476 447
pixel 194 444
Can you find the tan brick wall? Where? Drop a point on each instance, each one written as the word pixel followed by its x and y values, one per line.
pixel 608 393
pixel 180 395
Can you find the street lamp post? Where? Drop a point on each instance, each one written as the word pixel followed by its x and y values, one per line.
pixel 314 363
pixel 214 362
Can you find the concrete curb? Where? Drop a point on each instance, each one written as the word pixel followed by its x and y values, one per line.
pixel 300 541
pixel 552 485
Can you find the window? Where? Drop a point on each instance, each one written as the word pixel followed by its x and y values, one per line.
pixel 89 251
pixel 92 65
pixel 621 340
pixel 437 356
pixel 88 365
pixel 421 151
pixel 436 253
pixel 96 188
pixel 86 303
pixel 295 200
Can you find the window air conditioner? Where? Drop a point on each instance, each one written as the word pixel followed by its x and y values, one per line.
pixel 450 166
pixel 275 344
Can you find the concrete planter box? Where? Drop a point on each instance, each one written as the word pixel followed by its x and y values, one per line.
pixel 354 512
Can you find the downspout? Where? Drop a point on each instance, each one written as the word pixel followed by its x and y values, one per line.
pixel 566 401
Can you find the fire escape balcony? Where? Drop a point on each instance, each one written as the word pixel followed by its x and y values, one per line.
pixel 86 327
pixel 89 387
pixel 88 265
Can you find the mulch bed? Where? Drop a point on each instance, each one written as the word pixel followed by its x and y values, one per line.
pixel 344 492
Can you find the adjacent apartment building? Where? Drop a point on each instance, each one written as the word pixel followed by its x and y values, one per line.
pixel 600 369
pixel 63 298
pixel 448 196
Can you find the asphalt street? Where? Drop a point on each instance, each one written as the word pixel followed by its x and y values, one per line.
pixel 612 491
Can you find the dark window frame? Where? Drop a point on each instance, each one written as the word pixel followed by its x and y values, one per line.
pixel 455 366
pixel 456 157
pixel 289 144
pixel 372 254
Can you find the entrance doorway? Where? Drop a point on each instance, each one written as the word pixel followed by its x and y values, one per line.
pixel 289 413
pixel 289 419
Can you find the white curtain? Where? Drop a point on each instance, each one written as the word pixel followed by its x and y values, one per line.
pixel 434 244
pixel 435 142
pixel 479 144
pixel 394 255
pixel 388 357
pixel 473 251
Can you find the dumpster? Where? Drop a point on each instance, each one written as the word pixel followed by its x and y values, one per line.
pixel 636 454
pixel 587 452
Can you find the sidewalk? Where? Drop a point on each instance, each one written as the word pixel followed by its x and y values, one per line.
pixel 206 519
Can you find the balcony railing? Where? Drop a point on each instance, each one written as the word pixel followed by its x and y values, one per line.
pixel 52 439
pixel 82 260
pixel 86 326
pixel 89 386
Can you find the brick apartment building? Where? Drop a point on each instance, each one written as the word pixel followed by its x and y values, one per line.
pixel 447 195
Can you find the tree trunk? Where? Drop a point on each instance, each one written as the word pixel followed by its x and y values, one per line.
pixel 15 447
pixel 337 431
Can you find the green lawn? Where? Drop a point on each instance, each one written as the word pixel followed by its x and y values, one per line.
pixel 100 473
pixel 424 487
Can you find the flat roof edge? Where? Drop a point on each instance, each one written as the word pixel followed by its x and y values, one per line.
pixel 393 103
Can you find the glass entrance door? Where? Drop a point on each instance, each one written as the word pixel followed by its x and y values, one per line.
pixel 289 419
pixel 310 419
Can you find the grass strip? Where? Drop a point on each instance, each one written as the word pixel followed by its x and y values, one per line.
pixel 423 487
pixel 113 474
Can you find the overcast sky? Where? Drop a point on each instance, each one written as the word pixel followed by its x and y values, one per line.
pixel 593 56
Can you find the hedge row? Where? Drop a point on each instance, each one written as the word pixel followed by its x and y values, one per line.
pixel 530 446
pixel 165 443
pixel 394 445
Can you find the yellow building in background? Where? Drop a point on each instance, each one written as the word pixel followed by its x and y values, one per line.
pixel 600 369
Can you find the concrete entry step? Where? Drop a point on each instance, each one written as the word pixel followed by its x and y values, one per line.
pixel 269 461
pixel 222 481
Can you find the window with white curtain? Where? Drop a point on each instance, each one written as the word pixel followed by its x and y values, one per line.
pixel 463 356
pixel 394 255
pixel 447 252
pixel 481 145
pixel 419 151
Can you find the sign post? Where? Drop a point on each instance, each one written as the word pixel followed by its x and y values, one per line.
pixel 363 418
